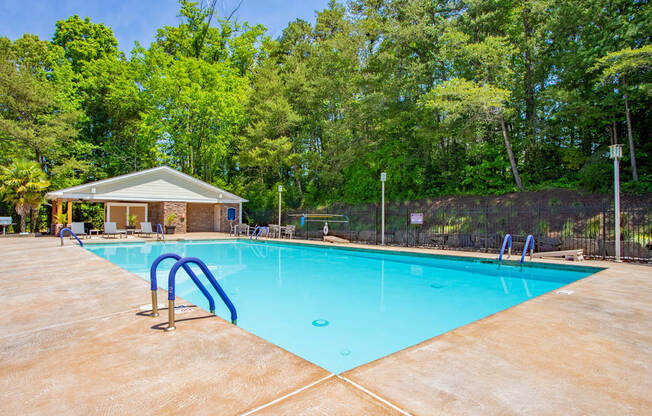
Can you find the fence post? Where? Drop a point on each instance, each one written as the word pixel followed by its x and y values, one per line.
pixel 376 224
pixel 443 219
pixel 407 224
pixel 537 226
pixel 348 226
pixel 509 220
pixel 486 232
pixel 604 230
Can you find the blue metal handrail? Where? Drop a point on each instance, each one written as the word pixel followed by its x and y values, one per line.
pixel 260 229
pixel 171 287
pixel 193 276
pixel 73 234
pixel 159 228
pixel 528 241
pixel 508 239
pixel 263 228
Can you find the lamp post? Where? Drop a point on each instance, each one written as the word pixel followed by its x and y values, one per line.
pixel 615 153
pixel 383 178
pixel 280 190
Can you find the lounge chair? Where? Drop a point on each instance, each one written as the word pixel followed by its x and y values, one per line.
pixel 575 255
pixel 111 229
pixel 78 229
pixel 146 229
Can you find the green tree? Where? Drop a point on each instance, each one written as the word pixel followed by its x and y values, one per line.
pixel 22 185
pixel 625 67
pixel 114 103
pixel 195 109
pixel 84 41
pixel 226 41
pixel 483 99
pixel 39 112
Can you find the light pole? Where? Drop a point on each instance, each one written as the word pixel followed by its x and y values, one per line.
pixel 615 153
pixel 383 178
pixel 280 190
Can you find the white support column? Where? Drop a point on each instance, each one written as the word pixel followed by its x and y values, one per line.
pixel 616 152
pixel 240 211
pixel 617 207
pixel 280 190
pixel 383 178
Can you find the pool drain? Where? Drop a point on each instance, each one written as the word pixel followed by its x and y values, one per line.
pixel 436 286
pixel 319 322
pixel 345 352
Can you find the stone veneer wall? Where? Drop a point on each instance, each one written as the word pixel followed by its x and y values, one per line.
pixel 179 208
pixel 200 217
pixel 225 226
pixel 191 217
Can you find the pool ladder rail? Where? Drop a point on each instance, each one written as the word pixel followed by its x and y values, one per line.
pixel 159 229
pixel 184 262
pixel 528 241
pixel 259 229
pixel 507 242
pixel 73 234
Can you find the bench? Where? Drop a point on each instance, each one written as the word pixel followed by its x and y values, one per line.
pixel 576 255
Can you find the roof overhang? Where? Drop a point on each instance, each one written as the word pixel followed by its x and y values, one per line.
pixel 182 188
pixel 100 198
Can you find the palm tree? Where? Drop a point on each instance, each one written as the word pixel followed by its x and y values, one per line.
pixel 22 184
pixel 35 200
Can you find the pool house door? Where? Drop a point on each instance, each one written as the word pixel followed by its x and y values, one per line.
pixel 217 217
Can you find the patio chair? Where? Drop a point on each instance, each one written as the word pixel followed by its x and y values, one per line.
pixel 111 229
pixel 78 229
pixel 146 229
pixel 274 230
pixel 289 230
pixel 243 229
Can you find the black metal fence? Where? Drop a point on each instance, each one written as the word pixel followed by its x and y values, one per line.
pixel 482 228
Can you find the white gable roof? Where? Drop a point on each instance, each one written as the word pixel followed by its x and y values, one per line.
pixel 157 184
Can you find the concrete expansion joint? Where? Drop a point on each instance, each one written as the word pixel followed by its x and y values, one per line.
pixel 292 393
pixel 375 396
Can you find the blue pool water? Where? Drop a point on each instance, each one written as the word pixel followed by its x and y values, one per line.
pixel 340 308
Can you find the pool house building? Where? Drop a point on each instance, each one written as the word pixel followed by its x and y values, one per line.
pixel 152 195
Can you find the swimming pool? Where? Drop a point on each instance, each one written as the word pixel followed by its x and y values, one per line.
pixel 341 308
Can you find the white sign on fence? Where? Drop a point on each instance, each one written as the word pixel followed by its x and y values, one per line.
pixel 416 218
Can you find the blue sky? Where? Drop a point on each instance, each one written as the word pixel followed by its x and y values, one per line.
pixel 137 20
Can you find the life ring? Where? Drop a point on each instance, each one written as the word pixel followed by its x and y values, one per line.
pixel 326 229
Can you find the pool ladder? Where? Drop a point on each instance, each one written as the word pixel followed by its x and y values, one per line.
pixel 259 229
pixel 507 242
pixel 73 234
pixel 185 263
pixel 528 241
pixel 159 229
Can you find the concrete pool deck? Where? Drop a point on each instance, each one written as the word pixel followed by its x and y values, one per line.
pixel 74 340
